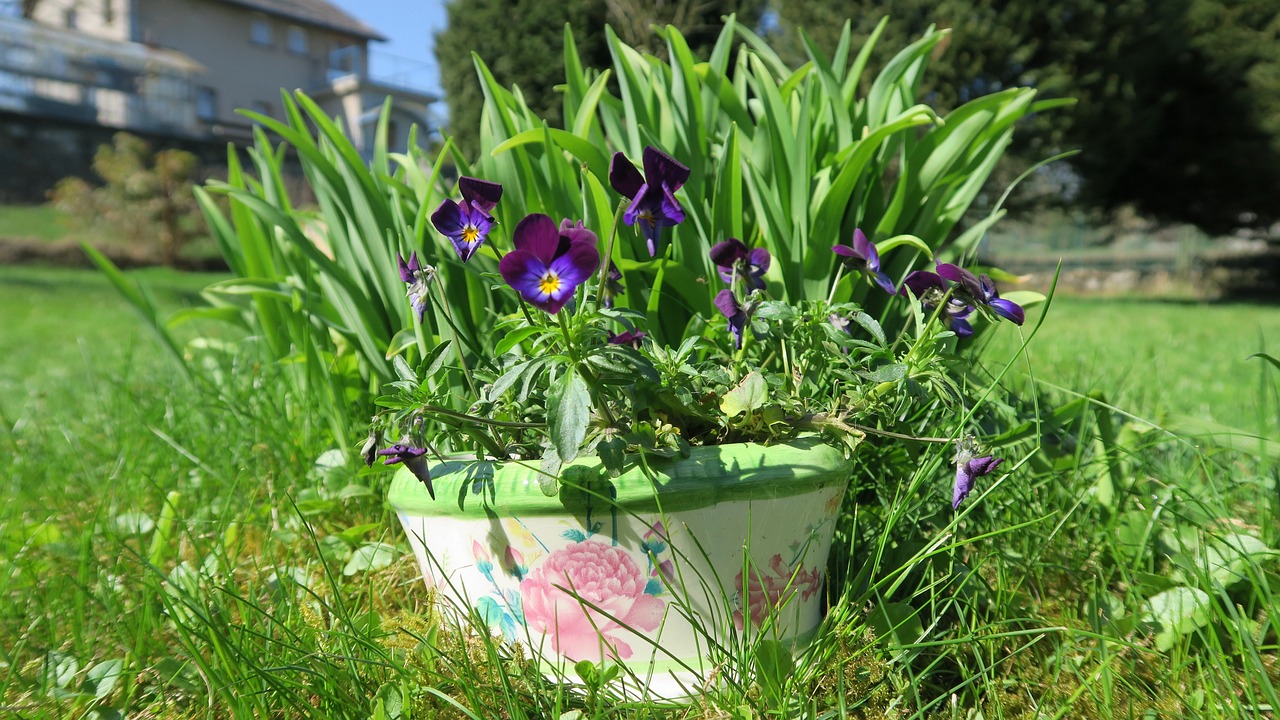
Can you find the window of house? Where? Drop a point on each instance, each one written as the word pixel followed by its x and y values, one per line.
pixel 261 106
pixel 297 40
pixel 344 61
pixel 71 19
pixel 206 103
pixel 260 31
pixel 108 12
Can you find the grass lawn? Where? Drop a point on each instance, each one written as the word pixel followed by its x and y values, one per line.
pixel 1161 359
pixel 60 324
pixel 43 222
pixel 174 551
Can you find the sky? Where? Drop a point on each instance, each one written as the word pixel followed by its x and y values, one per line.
pixel 410 26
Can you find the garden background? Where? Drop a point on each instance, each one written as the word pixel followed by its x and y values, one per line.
pixel 175 550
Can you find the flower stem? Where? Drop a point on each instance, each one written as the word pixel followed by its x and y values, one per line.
pixel 457 346
pixel 466 417
pixel 523 307
pixel 608 253
pixel 835 283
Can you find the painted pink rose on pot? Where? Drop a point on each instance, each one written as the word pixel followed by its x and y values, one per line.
pixel 611 588
pixel 769 591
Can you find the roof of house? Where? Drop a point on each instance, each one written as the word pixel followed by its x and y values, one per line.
pixel 312 12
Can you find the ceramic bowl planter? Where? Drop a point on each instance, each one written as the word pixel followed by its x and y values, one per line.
pixel 647 570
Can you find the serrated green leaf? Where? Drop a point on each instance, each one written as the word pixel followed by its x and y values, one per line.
pixel 403 371
pixel 569 411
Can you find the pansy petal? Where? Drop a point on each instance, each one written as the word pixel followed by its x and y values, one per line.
pixel 921 281
pixel 864 249
pixel 576 232
pixel 727 252
pixel 846 251
pixel 960 327
pixel 537 234
pixel 671 209
pixel 624 177
pixel 727 304
pixel 760 259
pixel 448 219
pixel 639 204
pixel 967 280
pixel 406 270
pixel 884 282
pixel 963 486
pixel 575 266
pixel 1009 310
pixel 482 194
pixel 475 230
pixel 662 169
pixel 521 269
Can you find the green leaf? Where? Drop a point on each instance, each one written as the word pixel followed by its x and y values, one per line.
pixel 1177 612
pixel 569 410
pixel 896 624
pixel 402 341
pixel 391 701
pixel 885 246
pixel 1266 357
pixel 774 666
pixel 749 395
pixel 59 670
pixel 612 452
pixel 368 557
pixel 581 148
pixel 513 338
pixel 435 358
pixel 1229 559
pixel 403 371
pixel 101 678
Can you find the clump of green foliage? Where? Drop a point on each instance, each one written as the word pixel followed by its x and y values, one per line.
pixel 145 195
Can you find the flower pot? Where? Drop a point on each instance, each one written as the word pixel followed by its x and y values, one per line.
pixel 649 570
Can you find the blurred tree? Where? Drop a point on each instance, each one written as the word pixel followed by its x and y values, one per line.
pixel 145 196
pixel 522 42
pixel 1179 100
pixel 700 21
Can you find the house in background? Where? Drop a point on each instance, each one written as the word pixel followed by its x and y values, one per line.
pixel 183 67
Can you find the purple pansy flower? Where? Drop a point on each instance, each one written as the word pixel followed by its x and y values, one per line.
pixel 728 306
pixel 417 277
pixel 930 288
pixel 969 469
pixel 652 195
pixel 413 458
pixel 982 291
pixel 733 258
pixel 864 259
pixel 631 337
pixel 467 222
pixel 549 263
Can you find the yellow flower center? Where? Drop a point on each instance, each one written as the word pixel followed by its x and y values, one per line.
pixel 647 216
pixel 549 283
pixel 470 234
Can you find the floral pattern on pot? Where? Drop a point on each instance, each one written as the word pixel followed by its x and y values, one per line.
pixel 769 592
pixel 585 596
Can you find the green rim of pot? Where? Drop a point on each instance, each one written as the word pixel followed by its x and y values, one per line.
pixel 710 475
